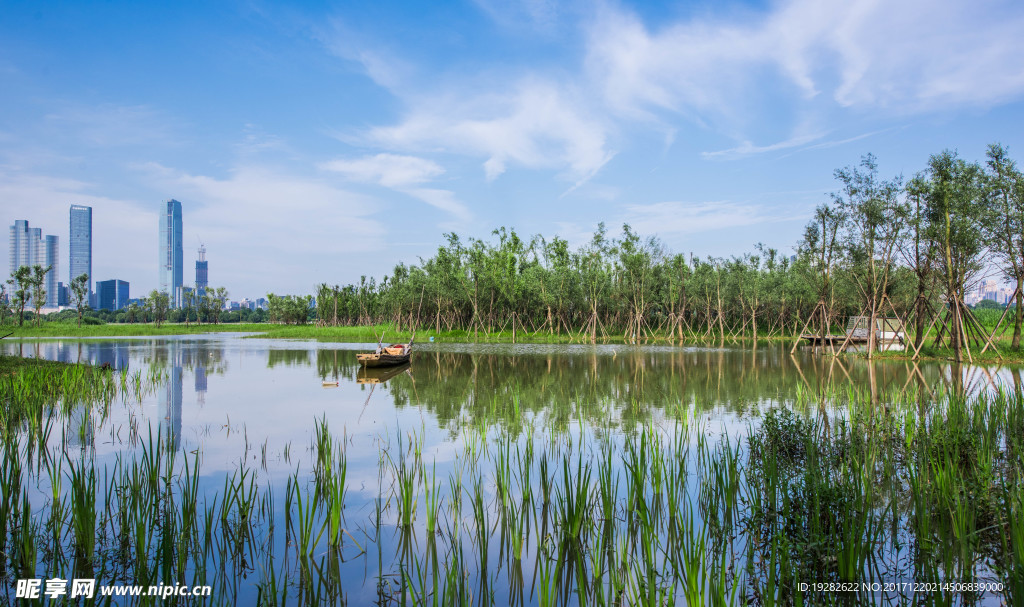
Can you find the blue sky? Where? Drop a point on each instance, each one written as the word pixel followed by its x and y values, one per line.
pixel 323 141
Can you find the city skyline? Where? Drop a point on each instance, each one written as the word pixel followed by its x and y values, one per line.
pixel 332 142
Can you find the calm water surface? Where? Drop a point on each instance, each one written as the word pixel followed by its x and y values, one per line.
pixel 255 402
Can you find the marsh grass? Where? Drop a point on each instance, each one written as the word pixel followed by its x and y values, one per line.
pixel 852 490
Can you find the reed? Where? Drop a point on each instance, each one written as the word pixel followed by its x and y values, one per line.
pixel 852 492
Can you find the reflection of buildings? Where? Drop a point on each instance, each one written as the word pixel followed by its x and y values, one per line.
pixel 200 373
pixel 114 353
pixel 81 427
pixel 170 397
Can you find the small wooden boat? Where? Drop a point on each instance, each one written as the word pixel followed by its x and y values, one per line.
pixel 387 356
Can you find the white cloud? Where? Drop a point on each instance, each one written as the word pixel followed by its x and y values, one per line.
pixel 403 174
pixel 747 148
pixel 907 56
pixel 677 218
pixel 534 123
pixel 388 170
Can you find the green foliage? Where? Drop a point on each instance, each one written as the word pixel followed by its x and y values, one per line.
pixel 289 309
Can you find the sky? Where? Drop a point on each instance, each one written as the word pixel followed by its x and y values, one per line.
pixel 319 142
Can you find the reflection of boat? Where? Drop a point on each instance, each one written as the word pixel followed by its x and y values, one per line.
pixel 379 375
pixel 387 356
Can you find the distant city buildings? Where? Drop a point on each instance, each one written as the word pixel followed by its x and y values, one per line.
pixel 28 247
pixel 52 260
pixel 111 294
pixel 989 289
pixel 80 244
pixel 171 255
pixel 202 272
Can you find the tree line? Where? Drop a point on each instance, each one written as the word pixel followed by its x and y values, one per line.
pixel 27 285
pixel 878 246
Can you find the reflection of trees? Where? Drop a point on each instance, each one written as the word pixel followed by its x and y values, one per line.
pixel 291 358
pixel 623 387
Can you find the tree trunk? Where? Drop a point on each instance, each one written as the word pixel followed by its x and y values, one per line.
pixel 1019 315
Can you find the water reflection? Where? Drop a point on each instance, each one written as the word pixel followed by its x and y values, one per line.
pixel 169 399
pixel 498 384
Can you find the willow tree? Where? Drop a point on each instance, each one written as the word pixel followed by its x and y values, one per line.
pixel 636 261
pixel 21 290
pixel 874 216
pixel 955 202
pixel 38 282
pixel 820 249
pixel 1004 226
pixel 595 275
pixel 80 294
pixel 919 252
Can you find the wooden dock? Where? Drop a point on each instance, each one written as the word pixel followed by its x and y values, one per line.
pixel 889 335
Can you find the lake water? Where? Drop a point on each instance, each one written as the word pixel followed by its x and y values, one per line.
pixel 254 403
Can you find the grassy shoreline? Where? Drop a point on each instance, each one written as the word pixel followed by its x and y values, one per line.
pixel 370 334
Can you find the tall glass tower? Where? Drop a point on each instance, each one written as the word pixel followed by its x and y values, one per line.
pixel 202 272
pixel 171 255
pixel 80 244
pixel 20 250
pixel 52 259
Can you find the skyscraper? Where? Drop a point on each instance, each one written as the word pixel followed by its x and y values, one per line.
pixel 28 247
pixel 202 275
pixel 80 244
pixel 171 257
pixel 51 259
pixel 20 250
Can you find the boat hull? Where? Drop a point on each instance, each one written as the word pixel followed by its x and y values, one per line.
pixel 371 361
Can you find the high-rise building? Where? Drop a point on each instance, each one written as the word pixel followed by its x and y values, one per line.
pixel 80 244
pixel 171 257
pixel 19 245
pixel 28 247
pixel 51 259
pixel 111 294
pixel 202 272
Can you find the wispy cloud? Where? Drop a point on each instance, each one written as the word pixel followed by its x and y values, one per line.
pixel 676 218
pixel 405 174
pixel 535 123
pixel 388 170
pixel 110 125
pixel 905 57
pixel 747 148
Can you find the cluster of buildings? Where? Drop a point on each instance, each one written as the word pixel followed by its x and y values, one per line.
pixel 989 289
pixel 29 247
